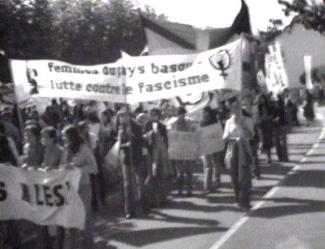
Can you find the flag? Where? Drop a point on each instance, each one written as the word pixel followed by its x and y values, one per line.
pixel 241 23
pixel 164 37
pixel 168 38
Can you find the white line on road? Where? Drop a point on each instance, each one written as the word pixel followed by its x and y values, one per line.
pixel 234 228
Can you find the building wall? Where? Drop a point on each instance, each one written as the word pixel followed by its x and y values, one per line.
pixel 296 43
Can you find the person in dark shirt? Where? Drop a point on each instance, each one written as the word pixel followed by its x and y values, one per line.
pixel 158 150
pixel 33 150
pixel 8 155
pixel 308 108
pixel 133 166
pixel 212 163
pixel 8 151
pixel 279 129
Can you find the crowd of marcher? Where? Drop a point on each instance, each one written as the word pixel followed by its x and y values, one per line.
pixel 66 136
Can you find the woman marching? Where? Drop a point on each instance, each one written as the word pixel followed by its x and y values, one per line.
pixel 78 154
pixel 158 150
pixel 239 156
pixel 212 163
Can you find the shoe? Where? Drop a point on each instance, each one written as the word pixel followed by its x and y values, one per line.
pixel 129 216
pixel 245 208
pixel 145 211
pixel 256 176
pixel 217 185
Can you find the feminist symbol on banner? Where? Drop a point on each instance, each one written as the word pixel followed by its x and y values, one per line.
pixel 221 61
pixel 31 78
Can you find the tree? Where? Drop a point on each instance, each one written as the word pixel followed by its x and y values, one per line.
pixel 310 14
pixel 79 32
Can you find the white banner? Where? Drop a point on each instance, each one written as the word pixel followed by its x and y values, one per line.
pixel 191 145
pixel 276 76
pixel 131 79
pixel 44 198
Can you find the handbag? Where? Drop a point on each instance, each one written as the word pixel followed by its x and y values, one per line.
pixel 112 158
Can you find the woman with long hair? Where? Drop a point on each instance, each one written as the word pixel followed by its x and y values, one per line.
pixel 78 154
pixel 132 160
pixel 106 139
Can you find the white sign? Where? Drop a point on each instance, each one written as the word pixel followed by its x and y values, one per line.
pixel 131 79
pixel 191 145
pixel 211 139
pixel 308 66
pixel 45 198
pixel 276 76
pixel 182 145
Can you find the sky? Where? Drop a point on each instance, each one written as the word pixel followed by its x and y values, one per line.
pixel 217 13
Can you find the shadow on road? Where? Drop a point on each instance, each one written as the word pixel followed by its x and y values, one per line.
pixel 306 178
pixel 291 206
pixel 162 216
pixel 150 236
pixel 190 206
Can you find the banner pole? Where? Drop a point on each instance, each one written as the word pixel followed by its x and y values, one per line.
pixel 241 62
pixel 19 114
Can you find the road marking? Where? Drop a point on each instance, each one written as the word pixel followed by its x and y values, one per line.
pixel 234 228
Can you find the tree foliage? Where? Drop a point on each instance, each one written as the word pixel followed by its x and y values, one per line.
pixel 310 13
pixel 80 32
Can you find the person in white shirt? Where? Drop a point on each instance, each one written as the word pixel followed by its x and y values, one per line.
pixel 237 134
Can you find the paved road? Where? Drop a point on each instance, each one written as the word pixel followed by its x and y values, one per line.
pixel 292 216
pixel 201 222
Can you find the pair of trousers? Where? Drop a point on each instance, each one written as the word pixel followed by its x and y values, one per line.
pixel 184 175
pixel 70 236
pixel 9 234
pixel 240 175
pixel 256 167
pixel 98 190
pixel 280 142
pixel 133 186
pixel 211 166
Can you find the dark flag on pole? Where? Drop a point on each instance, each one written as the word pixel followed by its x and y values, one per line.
pixel 241 23
pixel 164 37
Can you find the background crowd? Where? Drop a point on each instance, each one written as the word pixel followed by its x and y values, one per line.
pixel 119 147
